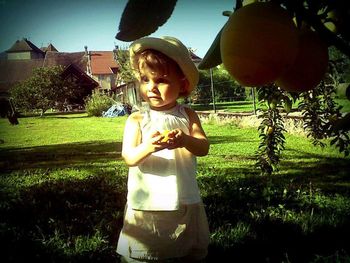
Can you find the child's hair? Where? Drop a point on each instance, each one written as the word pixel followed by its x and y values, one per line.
pixel 157 61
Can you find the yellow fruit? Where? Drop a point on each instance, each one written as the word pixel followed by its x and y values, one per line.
pixel 165 133
pixel 269 130
pixel 309 66
pixel 258 43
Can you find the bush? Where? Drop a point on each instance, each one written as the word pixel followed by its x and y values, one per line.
pixel 97 103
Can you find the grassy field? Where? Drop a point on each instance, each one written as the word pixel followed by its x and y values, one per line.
pixel 63 191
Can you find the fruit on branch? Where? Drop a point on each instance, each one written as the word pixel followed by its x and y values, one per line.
pixel 269 130
pixel 310 64
pixel 258 43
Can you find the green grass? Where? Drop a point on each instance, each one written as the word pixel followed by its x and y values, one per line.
pixel 63 191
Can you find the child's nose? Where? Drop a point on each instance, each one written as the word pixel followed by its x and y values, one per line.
pixel 152 86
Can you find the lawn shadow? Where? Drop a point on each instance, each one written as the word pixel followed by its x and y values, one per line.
pixel 289 228
pixel 329 174
pixel 47 220
pixel 59 155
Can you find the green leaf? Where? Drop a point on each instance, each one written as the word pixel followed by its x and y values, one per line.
pixel 213 56
pixel 143 17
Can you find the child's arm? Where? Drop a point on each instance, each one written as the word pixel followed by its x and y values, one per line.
pixel 197 142
pixel 134 150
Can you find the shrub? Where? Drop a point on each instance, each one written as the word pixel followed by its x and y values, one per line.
pixel 97 103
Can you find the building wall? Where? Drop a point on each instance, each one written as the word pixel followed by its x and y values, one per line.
pixel 106 81
pixel 24 55
pixel 18 55
pixel 131 95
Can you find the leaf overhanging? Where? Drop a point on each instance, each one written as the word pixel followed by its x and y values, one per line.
pixel 143 17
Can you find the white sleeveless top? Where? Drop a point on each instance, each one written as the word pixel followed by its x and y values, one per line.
pixel 168 177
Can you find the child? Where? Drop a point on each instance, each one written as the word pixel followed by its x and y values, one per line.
pixel 164 216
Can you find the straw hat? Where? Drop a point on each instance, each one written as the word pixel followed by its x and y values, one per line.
pixel 171 47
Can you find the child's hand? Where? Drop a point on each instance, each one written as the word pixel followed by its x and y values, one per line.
pixel 177 139
pixel 157 142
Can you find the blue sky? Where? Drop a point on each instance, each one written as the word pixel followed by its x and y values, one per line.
pixel 71 24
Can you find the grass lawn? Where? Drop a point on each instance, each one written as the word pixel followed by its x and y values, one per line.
pixel 63 191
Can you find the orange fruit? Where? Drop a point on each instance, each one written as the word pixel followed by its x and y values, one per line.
pixel 165 133
pixel 258 43
pixel 309 66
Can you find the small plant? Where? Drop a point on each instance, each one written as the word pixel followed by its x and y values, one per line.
pixel 228 236
pixel 271 129
pixel 97 103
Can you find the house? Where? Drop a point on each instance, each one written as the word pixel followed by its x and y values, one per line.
pixel 89 70
pixel 17 64
pixel 102 67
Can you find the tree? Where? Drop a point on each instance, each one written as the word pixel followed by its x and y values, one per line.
pixel 42 90
pixel 126 72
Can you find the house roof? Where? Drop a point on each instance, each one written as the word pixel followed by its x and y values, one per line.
pixel 50 47
pixel 102 62
pixel 194 57
pixel 53 58
pixel 83 77
pixel 23 46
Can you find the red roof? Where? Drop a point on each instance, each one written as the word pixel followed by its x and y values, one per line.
pixel 102 62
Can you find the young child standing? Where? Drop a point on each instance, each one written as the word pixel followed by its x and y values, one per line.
pixel 164 215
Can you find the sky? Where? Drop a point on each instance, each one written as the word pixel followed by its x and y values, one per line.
pixel 72 24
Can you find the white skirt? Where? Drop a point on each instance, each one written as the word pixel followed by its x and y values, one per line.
pixel 156 235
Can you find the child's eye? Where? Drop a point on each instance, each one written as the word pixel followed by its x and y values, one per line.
pixel 144 79
pixel 162 80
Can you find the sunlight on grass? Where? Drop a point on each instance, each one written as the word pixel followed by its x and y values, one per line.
pixel 34 131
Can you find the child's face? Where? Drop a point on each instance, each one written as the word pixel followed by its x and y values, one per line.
pixel 161 90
